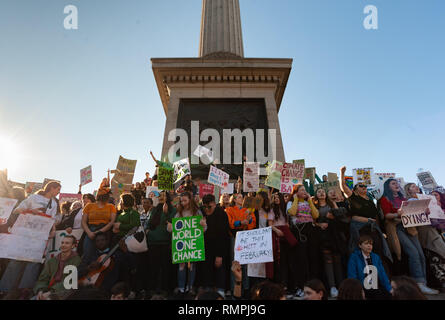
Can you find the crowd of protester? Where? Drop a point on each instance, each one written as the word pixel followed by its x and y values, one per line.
pixel 322 243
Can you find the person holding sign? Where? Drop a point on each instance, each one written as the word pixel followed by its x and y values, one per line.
pixel 429 238
pixel 159 243
pixel 391 203
pixel 364 218
pixel 302 215
pixel 187 208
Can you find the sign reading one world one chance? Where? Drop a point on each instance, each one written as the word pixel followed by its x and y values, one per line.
pixel 187 240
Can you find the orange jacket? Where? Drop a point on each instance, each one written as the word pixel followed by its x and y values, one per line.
pixel 235 215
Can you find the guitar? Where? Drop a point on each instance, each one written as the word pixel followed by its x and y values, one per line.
pixel 96 277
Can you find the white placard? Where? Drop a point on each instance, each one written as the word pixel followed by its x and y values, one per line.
pixel 436 211
pixel 427 180
pixel 256 270
pixel 32 226
pixel 251 176
pixel 254 246
pixel 21 248
pixel 229 189
pixel 6 206
pixel 414 213
pixel 181 169
pixel 218 177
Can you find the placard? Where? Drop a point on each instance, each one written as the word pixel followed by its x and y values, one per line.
pixel 70 197
pixel 254 246
pixel 256 270
pixel 274 175
pixel 291 174
pixel 33 226
pixel 414 213
pixel 21 248
pixel 427 180
pixel 218 177
pixel 309 173
pixel 251 178
pixel 165 178
pixel 6 207
pixel 181 169
pixel 205 188
pixel 86 175
pixel 187 240
pixel 229 189
pixel 363 175
pixel 436 211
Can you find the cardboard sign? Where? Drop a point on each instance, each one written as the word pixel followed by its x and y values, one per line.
pixel 363 175
pixel 254 246
pixel 309 173
pixel 187 240
pixel 229 189
pixel 427 180
pixel 218 177
pixel 6 207
pixel 274 175
pixel 55 243
pixel 86 175
pixel 436 211
pixel 205 189
pixel 123 176
pixel 181 169
pixel 21 248
pixel 300 169
pixel 33 226
pixel 165 178
pixel 414 213
pixel 251 178
pixel 70 197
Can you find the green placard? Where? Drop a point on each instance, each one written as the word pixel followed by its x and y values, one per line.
pixel 187 240
pixel 165 178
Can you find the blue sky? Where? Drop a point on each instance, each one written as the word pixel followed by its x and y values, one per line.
pixel 71 98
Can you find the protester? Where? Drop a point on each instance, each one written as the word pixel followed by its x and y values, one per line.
pixel 331 243
pixel 97 217
pixel 362 257
pixel 224 201
pixel 315 290
pixel 52 277
pixel 187 208
pixel 128 219
pixel 216 240
pixel 351 289
pixel 147 207
pixel 159 244
pixel 305 256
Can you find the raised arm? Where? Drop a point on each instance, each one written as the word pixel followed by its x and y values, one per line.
pixel 343 186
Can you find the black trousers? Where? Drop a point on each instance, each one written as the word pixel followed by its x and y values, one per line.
pixel 305 259
pixel 159 256
pixel 209 275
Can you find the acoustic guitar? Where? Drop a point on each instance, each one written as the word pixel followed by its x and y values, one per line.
pixel 96 277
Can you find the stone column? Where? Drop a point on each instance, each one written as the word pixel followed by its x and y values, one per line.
pixel 221 35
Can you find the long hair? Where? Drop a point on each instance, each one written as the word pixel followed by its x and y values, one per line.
pixel 317 200
pixel 233 198
pixel 279 209
pixel 295 190
pixel 317 286
pixel 193 206
pixel 48 187
pixel 442 198
pixel 407 289
pixel 388 193
pixel 221 200
pixel 407 186
pixel 266 203
pixel 350 289
pixel 155 219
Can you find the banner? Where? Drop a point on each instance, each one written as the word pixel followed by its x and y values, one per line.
pixel 218 177
pixel 181 169
pixel 55 243
pixel 187 240
pixel 86 175
pixel 427 180
pixel 274 175
pixel 6 207
pixel 70 197
pixel 414 213
pixel 363 175
pixel 251 178
pixel 165 178
pixel 254 246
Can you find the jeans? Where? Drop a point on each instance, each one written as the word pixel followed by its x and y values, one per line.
pixel 416 259
pixel 182 275
pixel 89 246
pixel 31 272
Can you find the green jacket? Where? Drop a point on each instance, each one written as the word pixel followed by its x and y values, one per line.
pixel 129 219
pixel 49 271
pixel 157 232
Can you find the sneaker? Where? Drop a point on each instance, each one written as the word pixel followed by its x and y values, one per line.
pixel 426 290
pixel 299 294
pixel 334 292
